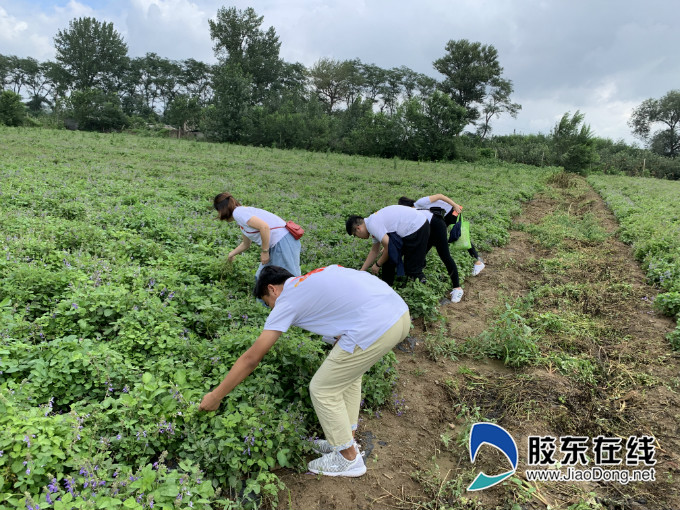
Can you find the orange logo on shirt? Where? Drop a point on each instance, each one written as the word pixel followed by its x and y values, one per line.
pixel 302 278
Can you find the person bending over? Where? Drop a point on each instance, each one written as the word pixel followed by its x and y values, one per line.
pixel 443 207
pixel 391 226
pixel 277 246
pixel 364 319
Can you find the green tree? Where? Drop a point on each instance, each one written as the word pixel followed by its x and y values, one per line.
pixel 183 112
pixel 12 110
pixel 96 110
pixel 92 53
pixel 431 126
pixel 472 75
pixel 5 66
pixel 331 81
pixel 240 43
pixel 195 79
pixel 652 112
pixel 226 118
pixel 495 104
pixel 574 143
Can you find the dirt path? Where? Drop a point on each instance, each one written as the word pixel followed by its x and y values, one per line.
pixel 606 370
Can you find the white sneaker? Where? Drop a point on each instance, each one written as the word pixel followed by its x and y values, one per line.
pixel 456 295
pixel 322 446
pixel 334 464
pixel 477 268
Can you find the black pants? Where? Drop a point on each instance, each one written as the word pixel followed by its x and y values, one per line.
pixel 414 251
pixel 439 238
pixel 450 219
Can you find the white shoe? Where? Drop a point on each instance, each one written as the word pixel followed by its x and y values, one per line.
pixel 334 464
pixel 477 268
pixel 456 295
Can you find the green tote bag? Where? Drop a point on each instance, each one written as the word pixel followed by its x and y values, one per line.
pixel 463 242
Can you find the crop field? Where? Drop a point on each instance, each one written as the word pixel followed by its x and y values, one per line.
pixel 648 211
pixel 119 310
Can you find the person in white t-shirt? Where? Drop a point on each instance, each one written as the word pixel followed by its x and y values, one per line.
pixel 403 225
pixel 444 213
pixel 360 315
pixel 268 231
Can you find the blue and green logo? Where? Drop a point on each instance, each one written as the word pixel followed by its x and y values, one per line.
pixel 496 436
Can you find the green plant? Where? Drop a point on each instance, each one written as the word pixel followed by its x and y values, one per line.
pixel 509 339
pixel 422 301
pixel 674 338
pixel 116 299
pixel 668 303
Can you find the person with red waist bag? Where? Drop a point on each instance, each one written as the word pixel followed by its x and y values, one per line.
pixel 277 245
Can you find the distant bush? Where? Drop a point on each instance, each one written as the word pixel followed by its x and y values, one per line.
pixel 12 110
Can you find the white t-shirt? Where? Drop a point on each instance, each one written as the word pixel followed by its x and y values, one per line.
pixel 337 301
pixel 426 213
pixel 424 203
pixel 399 219
pixel 243 214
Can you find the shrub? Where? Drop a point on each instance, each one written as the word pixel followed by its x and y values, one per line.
pixel 12 110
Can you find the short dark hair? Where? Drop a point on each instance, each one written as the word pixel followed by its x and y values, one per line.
pixel 408 202
pixel 352 222
pixel 224 204
pixel 270 275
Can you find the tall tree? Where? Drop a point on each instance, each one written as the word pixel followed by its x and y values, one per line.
pixel 574 143
pixel 329 79
pixel 652 112
pixel 239 42
pixel 496 103
pixel 5 66
pixel 472 73
pixel 373 79
pixel 196 80
pixel 92 53
pixel 39 85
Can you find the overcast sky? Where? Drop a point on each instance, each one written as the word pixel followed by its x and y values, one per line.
pixel 600 57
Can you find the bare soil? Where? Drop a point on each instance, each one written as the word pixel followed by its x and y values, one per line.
pixel 411 457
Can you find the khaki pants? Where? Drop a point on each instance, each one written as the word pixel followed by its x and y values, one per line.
pixel 336 387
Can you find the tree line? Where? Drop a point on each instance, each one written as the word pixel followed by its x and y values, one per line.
pixel 252 96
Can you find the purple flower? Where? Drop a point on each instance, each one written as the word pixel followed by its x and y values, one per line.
pixel 75 306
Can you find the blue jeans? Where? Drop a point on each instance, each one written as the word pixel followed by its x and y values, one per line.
pixel 285 254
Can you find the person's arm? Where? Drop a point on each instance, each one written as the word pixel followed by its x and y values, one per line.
pixel 243 367
pixel 265 234
pixel 372 255
pixel 385 242
pixel 245 244
pixel 444 198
